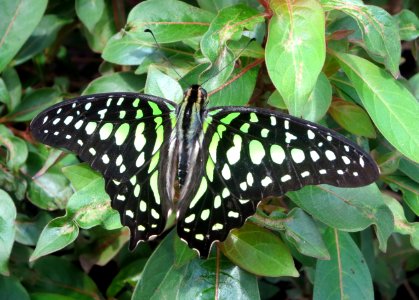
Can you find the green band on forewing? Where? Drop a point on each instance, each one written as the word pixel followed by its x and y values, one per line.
pixel 207 122
pixel 153 163
pixel 155 108
pixel 229 118
pixel 154 186
pixel 210 169
pixel 220 130
pixel 213 147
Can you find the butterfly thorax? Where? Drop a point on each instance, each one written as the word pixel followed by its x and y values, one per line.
pixel 189 131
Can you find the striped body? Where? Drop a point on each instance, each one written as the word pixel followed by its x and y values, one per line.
pixel 224 159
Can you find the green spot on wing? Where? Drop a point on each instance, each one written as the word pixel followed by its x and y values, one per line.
pixel 210 169
pixel 245 127
pixel 139 114
pixel 121 133
pixel 155 108
pixel 230 117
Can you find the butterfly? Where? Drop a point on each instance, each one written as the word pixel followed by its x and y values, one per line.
pixel 221 161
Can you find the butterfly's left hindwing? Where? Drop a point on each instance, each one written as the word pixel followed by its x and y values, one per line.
pixel 249 154
pixel 125 137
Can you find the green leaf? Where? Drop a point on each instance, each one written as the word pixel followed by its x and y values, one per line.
pixel 396 120
pixel 4 94
pixel 105 247
pixel 319 100
pixel 17 151
pixel 216 5
pixel 276 100
pixel 129 274
pixel 42 37
pixel 58 275
pixel 346 275
pixel 238 92
pixel 7 230
pixel 162 278
pixel 13 183
pixel 414 85
pixel 379 34
pixel 302 232
pixel 259 252
pixel 59 233
pixel 98 19
pixel 409 188
pixel 408 25
pixel 409 168
pixel 132 45
pixel 159 17
pixel 49 296
pixel 80 175
pixel 90 12
pixel 347 209
pixel 12 289
pixel 295 50
pixel 90 206
pixel 161 85
pixel 49 191
pixel 19 19
pixel 352 118
pixel 33 103
pixel 116 82
pixel 29 229
pixel 402 225
pixel 344 87
pixel 13 87
pixel 230 22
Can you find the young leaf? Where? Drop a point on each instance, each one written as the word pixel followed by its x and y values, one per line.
pixel 58 233
pixel 295 50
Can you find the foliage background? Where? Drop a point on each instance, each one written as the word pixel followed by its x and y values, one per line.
pixel 59 237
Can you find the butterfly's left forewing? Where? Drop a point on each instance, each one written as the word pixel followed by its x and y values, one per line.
pixel 125 137
pixel 249 154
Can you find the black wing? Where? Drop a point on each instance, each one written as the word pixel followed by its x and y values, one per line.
pixel 252 153
pixel 124 136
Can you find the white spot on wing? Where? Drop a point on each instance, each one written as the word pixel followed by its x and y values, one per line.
pixel 297 155
pixel 330 155
pixel 285 178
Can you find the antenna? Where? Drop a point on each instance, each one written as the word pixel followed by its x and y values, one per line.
pixel 161 53
pixel 234 59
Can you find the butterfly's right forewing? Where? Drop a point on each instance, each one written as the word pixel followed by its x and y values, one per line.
pixel 125 137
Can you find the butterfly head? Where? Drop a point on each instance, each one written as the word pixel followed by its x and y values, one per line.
pixel 196 94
